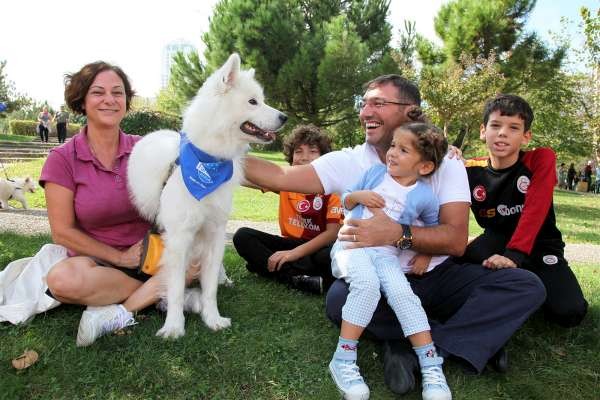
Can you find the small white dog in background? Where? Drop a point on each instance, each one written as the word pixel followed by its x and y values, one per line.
pixel 227 114
pixel 14 189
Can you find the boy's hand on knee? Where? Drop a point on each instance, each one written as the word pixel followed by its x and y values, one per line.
pixel 499 262
pixel 278 258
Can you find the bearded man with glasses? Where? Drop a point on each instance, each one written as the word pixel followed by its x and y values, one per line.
pixel 473 311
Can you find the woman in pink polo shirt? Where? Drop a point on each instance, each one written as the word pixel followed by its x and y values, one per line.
pixel 89 210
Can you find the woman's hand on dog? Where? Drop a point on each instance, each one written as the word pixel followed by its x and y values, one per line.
pixel 130 258
pixel 279 257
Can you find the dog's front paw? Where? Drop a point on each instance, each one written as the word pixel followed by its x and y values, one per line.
pixel 170 332
pixel 217 323
pixel 172 329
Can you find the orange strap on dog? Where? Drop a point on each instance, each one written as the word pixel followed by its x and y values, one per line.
pixel 152 251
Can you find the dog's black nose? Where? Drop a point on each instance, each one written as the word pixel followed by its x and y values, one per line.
pixel 283 118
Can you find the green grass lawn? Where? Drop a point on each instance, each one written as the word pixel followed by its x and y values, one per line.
pixel 280 342
pixel 17 138
pixel 277 348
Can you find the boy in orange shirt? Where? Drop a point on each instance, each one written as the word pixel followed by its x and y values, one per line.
pixel 309 224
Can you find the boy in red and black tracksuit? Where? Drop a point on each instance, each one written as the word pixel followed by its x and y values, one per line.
pixel 511 198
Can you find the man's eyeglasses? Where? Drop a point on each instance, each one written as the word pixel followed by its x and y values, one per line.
pixel 378 103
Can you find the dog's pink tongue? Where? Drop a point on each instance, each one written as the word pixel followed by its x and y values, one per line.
pixel 271 135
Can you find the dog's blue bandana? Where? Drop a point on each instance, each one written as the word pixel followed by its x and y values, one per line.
pixel 201 172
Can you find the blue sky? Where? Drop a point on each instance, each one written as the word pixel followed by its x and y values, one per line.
pixel 42 44
pixel 547 14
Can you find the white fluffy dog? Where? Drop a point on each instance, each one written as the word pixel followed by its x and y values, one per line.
pixel 226 115
pixel 15 189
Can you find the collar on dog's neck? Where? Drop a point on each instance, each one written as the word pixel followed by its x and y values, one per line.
pixel 202 173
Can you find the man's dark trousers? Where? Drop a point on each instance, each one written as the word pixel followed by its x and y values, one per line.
pixel 473 311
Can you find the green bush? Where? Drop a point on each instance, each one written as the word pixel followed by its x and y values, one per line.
pixel 20 127
pixel 141 122
pixel 73 129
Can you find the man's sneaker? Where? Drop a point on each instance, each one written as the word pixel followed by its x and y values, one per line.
pixel 347 378
pixel 434 381
pixel 192 302
pixel 98 321
pixel 306 283
pixel 399 366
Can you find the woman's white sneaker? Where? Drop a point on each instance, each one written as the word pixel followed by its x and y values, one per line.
pixel 98 321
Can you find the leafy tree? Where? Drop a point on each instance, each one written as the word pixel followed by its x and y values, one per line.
pixel 558 123
pixel 29 110
pixel 480 28
pixel 455 93
pixel 589 99
pixel 591 31
pixel 312 56
pixel 169 101
pixel 187 76
pixel 8 96
pixel 404 54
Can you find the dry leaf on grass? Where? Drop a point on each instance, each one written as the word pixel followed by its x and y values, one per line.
pixel 25 360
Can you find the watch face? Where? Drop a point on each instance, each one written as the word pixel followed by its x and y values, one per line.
pixel 406 244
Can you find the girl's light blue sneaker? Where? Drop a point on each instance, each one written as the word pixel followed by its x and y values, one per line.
pixel 347 378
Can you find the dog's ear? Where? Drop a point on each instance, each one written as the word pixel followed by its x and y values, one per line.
pixel 230 70
pixel 251 72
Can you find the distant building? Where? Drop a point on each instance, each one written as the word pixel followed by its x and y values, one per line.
pixel 168 52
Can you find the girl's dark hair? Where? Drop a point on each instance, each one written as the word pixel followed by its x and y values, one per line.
pixel 429 142
pixel 78 84
pixel 309 134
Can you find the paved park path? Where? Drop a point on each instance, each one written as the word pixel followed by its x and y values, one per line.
pixel 35 221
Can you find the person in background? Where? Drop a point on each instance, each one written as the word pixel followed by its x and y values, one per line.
pixel 587 175
pixel 62 119
pixel 597 184
pixel 562 176
pixel 44 119
pixel 571 176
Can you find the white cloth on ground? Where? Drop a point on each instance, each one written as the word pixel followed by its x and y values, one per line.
pixel 23 285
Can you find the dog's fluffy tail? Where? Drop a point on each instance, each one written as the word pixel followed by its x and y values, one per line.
pixel 149 166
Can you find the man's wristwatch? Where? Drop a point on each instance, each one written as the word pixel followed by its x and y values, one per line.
pixel 405 242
